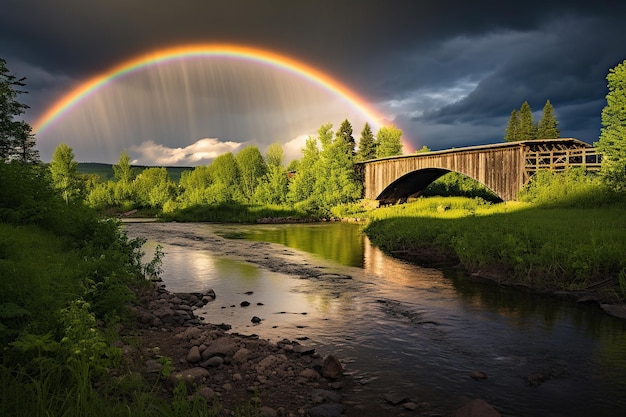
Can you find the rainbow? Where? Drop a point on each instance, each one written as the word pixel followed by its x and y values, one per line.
pixel 282 62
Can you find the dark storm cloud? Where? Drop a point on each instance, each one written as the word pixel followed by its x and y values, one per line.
pixel 447 72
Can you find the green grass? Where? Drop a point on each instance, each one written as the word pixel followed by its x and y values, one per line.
pixel 232 213
pixel 544 248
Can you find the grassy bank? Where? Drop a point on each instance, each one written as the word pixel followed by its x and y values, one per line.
pixel 542 247
pixel 67 276
pixel 234 213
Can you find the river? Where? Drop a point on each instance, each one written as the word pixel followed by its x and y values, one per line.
pixel 398 326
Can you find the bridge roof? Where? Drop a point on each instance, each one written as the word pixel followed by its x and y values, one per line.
pixel 568 142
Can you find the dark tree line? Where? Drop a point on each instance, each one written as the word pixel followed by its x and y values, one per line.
pixel 17 141
pixel 522 127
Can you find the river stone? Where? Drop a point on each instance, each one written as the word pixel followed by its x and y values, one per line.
pixel 163 312
pixel 477 408
pixel 331 367
pixel 325 396
pixel 242 355
pixel 309 374
pixel 478 375
pixel 327 410
pixel 194 355
pixel 395 398
pixel 206 393
pixel 221 346
pixel 214 362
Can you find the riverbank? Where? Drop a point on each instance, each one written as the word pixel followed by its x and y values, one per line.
pixel 575 252
pixel 357 394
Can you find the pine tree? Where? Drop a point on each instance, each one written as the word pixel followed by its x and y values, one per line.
pixel 527 128
pixel 548 125
pixel 612 141
pixel 16 139
pixel 367 144
pixel 512 129
pixel 345 133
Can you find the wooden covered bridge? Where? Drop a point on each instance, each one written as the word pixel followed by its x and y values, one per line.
pixel 503 167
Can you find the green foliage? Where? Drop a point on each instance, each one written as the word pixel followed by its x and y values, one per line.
pixel 367 144
pixel 252 168
pixel 525 244
pixel 63 169
pixel 456 184
pixel 572 188
pixel 521 125
pixel 612 143
pixel 233 212
pixel 153 188
pixel 388 142
pixel 547 128
pixel 345 133
pixel 16 139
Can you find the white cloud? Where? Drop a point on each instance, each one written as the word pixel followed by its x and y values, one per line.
pixel 201 152
pixel 293 148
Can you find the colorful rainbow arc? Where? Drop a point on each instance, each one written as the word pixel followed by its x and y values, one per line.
pixel 204 50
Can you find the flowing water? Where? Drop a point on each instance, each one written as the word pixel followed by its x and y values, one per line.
pixel 397 326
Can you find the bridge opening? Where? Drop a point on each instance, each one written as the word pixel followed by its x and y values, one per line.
pixel 432 182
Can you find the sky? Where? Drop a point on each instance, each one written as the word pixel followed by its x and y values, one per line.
pixel 446 72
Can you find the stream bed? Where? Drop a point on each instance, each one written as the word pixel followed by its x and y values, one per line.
pixel 397 326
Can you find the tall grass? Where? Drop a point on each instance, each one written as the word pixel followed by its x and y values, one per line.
pixel 232 213
pixel 544 247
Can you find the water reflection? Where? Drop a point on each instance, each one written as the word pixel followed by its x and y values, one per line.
pixel 419 329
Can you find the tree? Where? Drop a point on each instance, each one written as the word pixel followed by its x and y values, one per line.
pixel 423 149
pixel 513 128
pixel 548 125
pixel 124 174
pixel 367 144
pixel 389 142
pixel 527 128
pixel 274 155
pixel 345 133
pixel 64 171
pixel 226 186
pixel 251 169
pixel 612 143
pixel 303 182
pixel 153 187
pixel 16 139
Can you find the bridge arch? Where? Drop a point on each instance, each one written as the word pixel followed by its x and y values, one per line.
pixel 412 184
pixel 503 167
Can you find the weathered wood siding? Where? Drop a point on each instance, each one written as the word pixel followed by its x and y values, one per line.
pixel 503 167
pixel 500 169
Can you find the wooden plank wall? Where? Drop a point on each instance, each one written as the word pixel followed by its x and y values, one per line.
pixel 500 169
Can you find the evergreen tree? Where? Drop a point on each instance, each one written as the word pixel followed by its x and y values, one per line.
pixel 527 128
pixel 367 144
pixel 612 141
pixel 16 139
pixel 513 128
pixel 345 133
pixel 388 142
pixel 64 172
pixel 548 125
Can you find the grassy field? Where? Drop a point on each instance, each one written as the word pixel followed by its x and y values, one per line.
pixel 545 248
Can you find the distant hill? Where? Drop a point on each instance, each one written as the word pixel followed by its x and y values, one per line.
pixel 105 171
